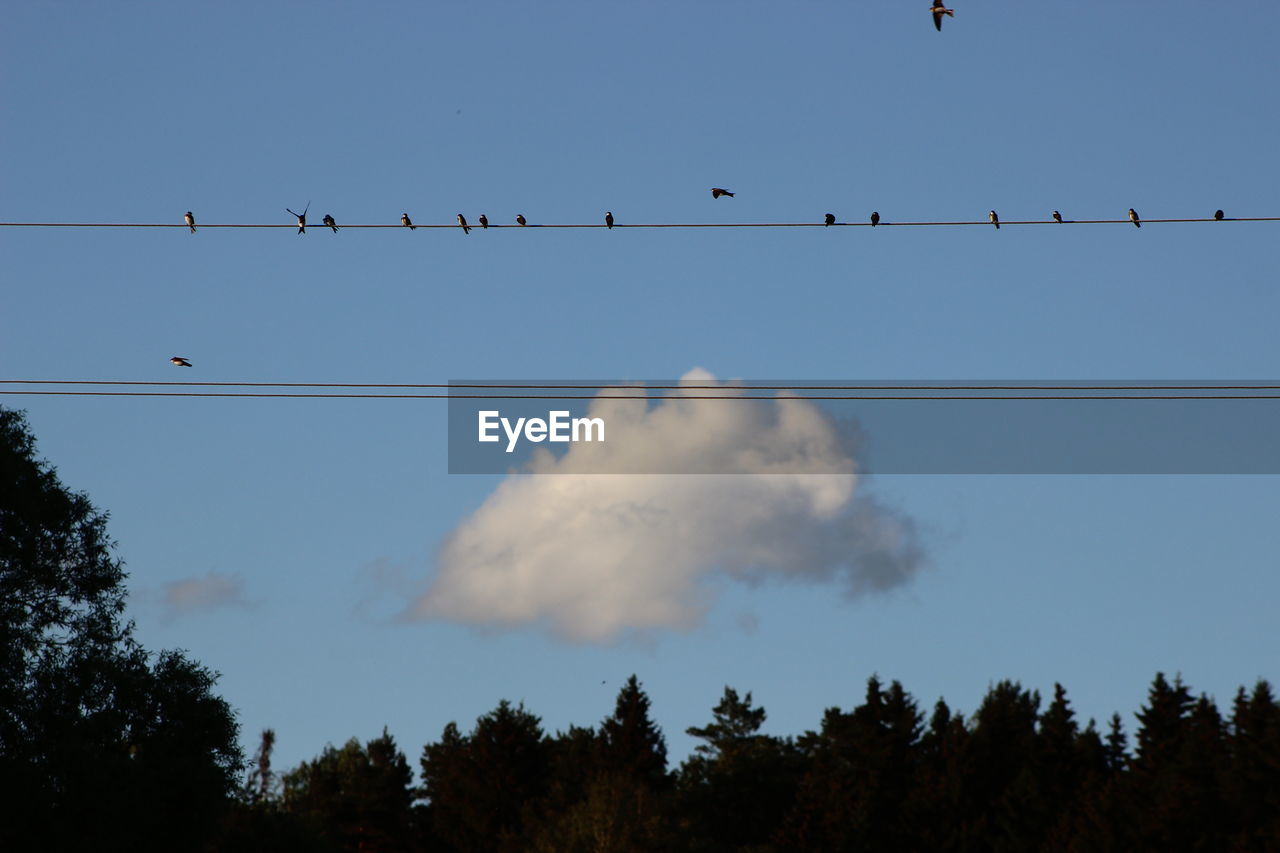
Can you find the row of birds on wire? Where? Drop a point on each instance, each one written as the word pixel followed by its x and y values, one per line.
pixel 716 192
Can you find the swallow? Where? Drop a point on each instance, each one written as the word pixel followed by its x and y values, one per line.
pixel 1133 217
pixel 462 220
pixel 716 192
pixel 830 220
pixel 302 218
pixel 938 11
pixel 484 221
pixel 608 219
pixel 190 219
pixel 406 221
pixel 1057 217
pixel 875 218
pixel 1217 214
pixel 328 220
pixel 179 361
pixel 995 220
pixel 520 220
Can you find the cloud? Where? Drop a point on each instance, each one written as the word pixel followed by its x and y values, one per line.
pixel 594 555
pixel 207 593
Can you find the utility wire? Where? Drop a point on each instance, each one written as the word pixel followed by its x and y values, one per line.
pixel 593 386
pixel 294 394
pixel 882 224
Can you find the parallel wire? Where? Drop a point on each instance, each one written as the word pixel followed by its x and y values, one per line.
pixel 593 386
pixel 931 397
pixel 882 224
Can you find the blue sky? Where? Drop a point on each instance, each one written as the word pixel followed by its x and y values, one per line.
pixel 321 519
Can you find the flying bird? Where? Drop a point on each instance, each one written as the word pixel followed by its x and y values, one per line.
pixel 179 361
pixel 1057 217
pixel 995 220
pixel 462 220
pixel 302 218
pixel 1133 217
pixel 1217 214
pixel 484 221
pixel 328 220
pixel 608 219
pixel 190 219
pixel 716 192
pixel 520 220
pixel 938 11
pixel 406 221
pixel 830 220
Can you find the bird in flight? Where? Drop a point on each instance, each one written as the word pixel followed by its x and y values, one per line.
pixel 1133 217
pixel 302 218
pixel 1057 217
pixel 938 11
pixel 520 220
pixel 875 218
pixel 484 221
pixel 190 219
pixel 462 220
pixel 328 220
pixel 716 192
pixel 995 220
pixel 608 219
pixel 1217 214
pixel 830 220
pixel 406 221
pixel 179 361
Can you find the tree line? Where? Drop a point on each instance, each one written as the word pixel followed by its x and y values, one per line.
pixel 107 746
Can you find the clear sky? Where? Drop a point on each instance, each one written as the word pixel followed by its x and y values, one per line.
pixel 278 540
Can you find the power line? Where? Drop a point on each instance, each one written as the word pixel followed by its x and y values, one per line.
pixel 594 386
pixel 882 224
pixel 931 397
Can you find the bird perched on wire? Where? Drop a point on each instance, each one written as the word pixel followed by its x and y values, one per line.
pixel 716 192
pixel 938 11
pixel 302 218
pixel 328 220
pixel 484 221
pixel 1057 217
pixel 608 219
pixel 1217 214
pixel 190 219
pixel 995 220
pixel 179 361
pixel 462 220
pixel 1133 217
pixel 830 220
pixel 875 218
pixel 406 221
pixel 520 220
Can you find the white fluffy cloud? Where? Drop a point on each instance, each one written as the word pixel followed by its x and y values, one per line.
pixel 593 555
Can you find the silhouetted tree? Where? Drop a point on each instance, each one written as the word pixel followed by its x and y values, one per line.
pixel 101 747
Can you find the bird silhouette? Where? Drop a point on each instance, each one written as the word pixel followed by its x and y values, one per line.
pixel 1217 214
pixel 484 221
pixel 302 218
pixel 520 220
pixel 179 361
pixel 407 222
pixel 1133 217
pixel 1057 217
pixel 995 220
pixel 830 220
pixel 938 11
pixel 190 219
pixel 462 220
pixel 608 219
pixel 716 192
pixel 875 218
pixel 328 220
